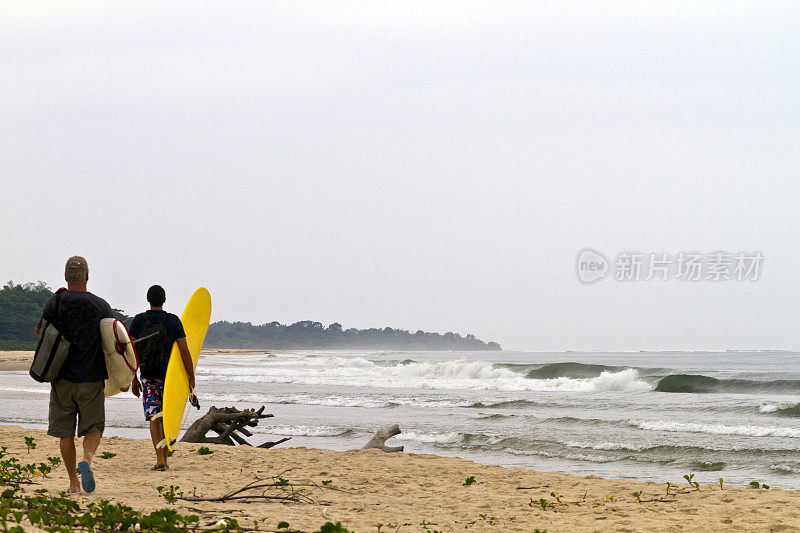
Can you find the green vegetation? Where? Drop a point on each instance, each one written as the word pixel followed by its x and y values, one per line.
pixel 544 503
pixel 204 450
pixel 313 335
pixel 21 307
pixel 470 481
pixel 757 485
pixel 20 311
pixel 107 455
pixel 30 444
pixel 171 494
pixel 330 527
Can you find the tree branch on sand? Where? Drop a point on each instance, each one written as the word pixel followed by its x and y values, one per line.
pixel 274 488
pixel 380 437
pixel 229 424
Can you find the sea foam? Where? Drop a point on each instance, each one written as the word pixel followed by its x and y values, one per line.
pixel 445 375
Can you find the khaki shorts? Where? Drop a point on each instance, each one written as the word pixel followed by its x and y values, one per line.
pixel 70 401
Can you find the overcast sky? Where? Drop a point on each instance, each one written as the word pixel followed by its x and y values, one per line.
pixel 420 165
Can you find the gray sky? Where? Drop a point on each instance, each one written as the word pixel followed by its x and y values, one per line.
pixel 421 165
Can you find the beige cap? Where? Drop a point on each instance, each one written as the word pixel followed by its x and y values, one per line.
pixel 76 269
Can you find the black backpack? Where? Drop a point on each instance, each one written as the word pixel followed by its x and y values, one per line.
pixel 154 351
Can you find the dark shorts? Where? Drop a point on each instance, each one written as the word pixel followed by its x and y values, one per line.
pixel 152 397
pixel 71 403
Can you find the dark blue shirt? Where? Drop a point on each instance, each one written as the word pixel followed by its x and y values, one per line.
pixel 154 352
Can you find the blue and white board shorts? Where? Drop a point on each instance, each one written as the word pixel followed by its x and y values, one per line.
pixel 152 397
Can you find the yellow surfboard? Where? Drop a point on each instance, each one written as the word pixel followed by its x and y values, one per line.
pixel 195 319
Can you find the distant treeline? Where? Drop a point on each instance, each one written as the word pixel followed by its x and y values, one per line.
pixel 21 307
pixel 313 335
pixel 20 310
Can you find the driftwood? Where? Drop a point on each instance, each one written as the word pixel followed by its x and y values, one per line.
pixel 229 424
pixel 379 440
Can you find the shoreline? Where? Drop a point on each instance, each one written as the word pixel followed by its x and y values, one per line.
pixel 403 491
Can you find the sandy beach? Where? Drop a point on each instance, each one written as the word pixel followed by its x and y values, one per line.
pixel 15 360
pixel 410 492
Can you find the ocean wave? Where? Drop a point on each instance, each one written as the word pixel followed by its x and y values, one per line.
pixel 707 466
pixel 716 429
pixel 791 409
pixel 503 404
pixel 27 390
pixel 571 370
pixel 451 438
pixel 697 383
pixel 495 416
pixel 786 468
pixel 445 375
pixel 370 402
pixel 609 446
pixel 586 457
pixel 307 431
pixel 678 450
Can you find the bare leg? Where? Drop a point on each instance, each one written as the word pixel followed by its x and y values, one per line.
pixel 68 455
pixel 157 434
pixel 90 443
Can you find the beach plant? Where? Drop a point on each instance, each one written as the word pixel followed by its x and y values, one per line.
pixel 721 481
pixel 330 527
pixel 669 486
pixel 757 485
pixel 327 482
pixel 281 482
pixel 689 478
pixel 204 450
pixel 638 496
pixel 62 514
pixel 469 481
pixel 379 527
pixel 30 444
pixel 171 494
pixel 107 455
pixel 557 496
pixel 544 503
pixel 610 498
pixel 228 524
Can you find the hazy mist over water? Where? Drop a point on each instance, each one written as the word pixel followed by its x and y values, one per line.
pixel 434 166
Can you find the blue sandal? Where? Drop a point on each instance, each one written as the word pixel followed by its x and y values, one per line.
pixel 87 477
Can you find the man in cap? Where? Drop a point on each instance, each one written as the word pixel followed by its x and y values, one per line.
pixel 76 396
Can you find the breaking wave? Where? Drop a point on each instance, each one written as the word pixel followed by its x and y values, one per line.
pixel 697 383
pixel 716 429
pixel 446 375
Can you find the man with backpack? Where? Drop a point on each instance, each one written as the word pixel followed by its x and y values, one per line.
pixel 76 393
pixel 158 331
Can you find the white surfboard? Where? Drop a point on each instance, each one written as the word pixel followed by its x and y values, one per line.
pixel 121 359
